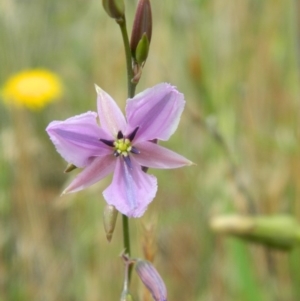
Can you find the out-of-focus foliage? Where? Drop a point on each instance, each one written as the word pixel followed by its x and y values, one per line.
pixel 237 62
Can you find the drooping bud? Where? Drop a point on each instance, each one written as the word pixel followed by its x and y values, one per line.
pixel 280 232
pixel 151 279
pixel 70 167
pixel 110 215
pixel 114 8
pixel 141 32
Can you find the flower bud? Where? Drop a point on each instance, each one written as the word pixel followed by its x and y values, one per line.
pixel 142 49
pixel 109 220
pixel 280 232
pixel 70 167
pixel 151 279
pixel 141 31
pixel 114 8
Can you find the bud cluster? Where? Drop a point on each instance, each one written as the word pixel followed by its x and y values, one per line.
pixel 141 37
pixel 141 31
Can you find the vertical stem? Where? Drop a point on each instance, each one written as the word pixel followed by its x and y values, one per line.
pixel 130 86
pixel 130 93
pixel 126 234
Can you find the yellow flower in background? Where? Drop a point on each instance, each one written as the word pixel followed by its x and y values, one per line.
pixel 32 88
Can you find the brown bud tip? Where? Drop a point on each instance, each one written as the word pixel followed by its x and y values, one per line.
pixel 70 167
pixel 151 279
pixel 114 8
pixel 142 25
pixel 110 215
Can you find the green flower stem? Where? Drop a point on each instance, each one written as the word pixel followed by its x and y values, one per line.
pixel 126 234
pixel 130 92
pixel 130 86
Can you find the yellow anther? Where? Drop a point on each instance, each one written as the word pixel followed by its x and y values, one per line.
pixel 123 146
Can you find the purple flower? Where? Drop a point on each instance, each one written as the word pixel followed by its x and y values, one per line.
pixel 121 146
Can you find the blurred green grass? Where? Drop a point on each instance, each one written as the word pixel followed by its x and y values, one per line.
pixel 237 62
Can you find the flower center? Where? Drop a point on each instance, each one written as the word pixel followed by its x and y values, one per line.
pixel 122 147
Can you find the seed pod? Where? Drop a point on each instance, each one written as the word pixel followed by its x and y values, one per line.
pixel 151 279
pixel 110 215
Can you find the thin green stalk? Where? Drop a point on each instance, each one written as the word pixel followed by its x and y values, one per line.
pixel 130 86
pixel 126 234
pixel 130 92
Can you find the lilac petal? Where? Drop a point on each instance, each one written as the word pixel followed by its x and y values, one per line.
pixel 77 138
pixel 156 112
pixel 96 171
pixel 155 156
pixel 131 189
pixel 111 118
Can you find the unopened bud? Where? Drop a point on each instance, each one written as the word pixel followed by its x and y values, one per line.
pixel 70 167
pixel 280 232
pixel 109 220
pixel 141 31
pixel 114 8
pixel 151 279
pixel 142 49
